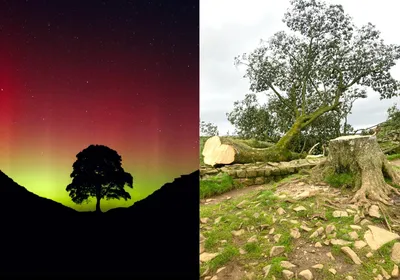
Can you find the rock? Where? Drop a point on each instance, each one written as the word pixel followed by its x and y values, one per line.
pixel 395 271
pixel 316 233
pixel 318 245
pixel 242 251
pixel 221 269
pixel 384 273
pixel 374 211
pixel 369 255
pixel 217 220
pixel 351 211
pixel 252 239
pixel 353 235
pixel 299 208
pixel 338 214
pixel 204 220
pixel 355 227
pixel 303 195
pixel 340 242
pixel 378 277
pixel 287 274
pixel 327 242
pixel 238 232
pixel 306 274
pixel 207 278
pixel 365 222
pixel 277 237
pixel 395 255
pixel 318 266
pixel 295 233
pixel 353 256
pixel 241 204
pixel 286 264
pixel 356 219
pixel 329 254
pixel 215 277
pixel 280 211
pixel 271 231
pixel 359 244
pixel 349 277
pixel 295 222
pixel 333 271
pixel 376 237
pixel 202 238
pixel 276 250
pixel 305 228
pixel 330 228
pixel 205 257
pixel 266 270
pixel 202 248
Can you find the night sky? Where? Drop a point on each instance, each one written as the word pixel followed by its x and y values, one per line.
pixel 118 73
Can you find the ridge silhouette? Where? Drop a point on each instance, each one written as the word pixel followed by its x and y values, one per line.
pixel 156 237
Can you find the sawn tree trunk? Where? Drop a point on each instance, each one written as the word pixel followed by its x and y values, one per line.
pixel 225 150
pixel 361 157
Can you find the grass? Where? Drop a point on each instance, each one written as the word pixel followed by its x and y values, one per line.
pixel 264 203
pixel 393 157
pixel 340 180
pixel 215 185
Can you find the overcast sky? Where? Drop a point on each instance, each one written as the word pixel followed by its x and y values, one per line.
pixel 232 27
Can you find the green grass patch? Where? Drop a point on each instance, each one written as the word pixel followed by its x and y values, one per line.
pixel 226 256
pixel 340 180
pixel 393 157
pixel 218 184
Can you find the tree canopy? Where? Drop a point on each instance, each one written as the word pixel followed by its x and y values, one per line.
pixel 208 129
pixel 320 64
pixel 98 173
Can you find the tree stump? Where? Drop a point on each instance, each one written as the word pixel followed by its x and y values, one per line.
pixel 362 157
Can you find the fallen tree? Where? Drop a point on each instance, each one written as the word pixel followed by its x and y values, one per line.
pixel 225 150
pixel 363 159
pixel 321 66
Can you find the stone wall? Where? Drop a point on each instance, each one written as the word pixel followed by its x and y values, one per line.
pixel 260 173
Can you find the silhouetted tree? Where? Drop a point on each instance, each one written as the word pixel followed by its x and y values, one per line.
pixel 97 172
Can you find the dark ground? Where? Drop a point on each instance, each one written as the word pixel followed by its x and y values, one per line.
pixel 156 237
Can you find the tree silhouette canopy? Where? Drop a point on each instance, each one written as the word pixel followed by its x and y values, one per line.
pixel 97 172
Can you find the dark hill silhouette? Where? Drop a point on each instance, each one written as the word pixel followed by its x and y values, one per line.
pixel 156 237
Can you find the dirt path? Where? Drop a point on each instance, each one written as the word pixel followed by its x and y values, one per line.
pixel 232 194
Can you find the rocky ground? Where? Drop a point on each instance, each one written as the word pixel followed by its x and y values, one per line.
pixel 295 230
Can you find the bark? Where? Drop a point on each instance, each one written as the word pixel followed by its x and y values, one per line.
pixel 302 122
pixel 362 157
pixel 225 150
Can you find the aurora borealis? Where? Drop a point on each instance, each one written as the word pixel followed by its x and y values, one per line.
pixel 118 73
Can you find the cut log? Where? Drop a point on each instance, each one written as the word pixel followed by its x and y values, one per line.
pixel 225 150
pixel 362 157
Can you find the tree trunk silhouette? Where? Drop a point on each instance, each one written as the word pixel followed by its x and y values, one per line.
pixel 98 197
pixel 98 210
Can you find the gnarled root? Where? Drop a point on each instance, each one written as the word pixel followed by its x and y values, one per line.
pixel 374 188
